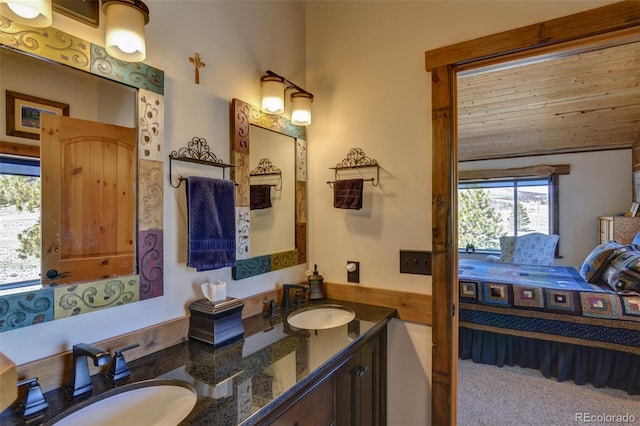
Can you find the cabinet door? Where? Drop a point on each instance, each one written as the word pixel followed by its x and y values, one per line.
pixel 346 391
pixel 361 386
pixel 369 376
pixel 315 408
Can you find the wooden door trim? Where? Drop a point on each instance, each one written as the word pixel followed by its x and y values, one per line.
pixel 601 25
pixel 23 150
pixel 445 253
pixel 600 22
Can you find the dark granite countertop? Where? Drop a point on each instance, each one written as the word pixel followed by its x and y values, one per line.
pixel 243 381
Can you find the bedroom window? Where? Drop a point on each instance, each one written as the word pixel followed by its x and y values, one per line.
pixel 489 209
pixel 20 219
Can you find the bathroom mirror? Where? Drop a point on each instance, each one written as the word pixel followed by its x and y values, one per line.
pixel 272 202
pixel 254 135
pixel 78 200
pixel 142 86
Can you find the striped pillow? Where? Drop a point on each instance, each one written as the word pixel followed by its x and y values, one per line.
pixel 596 262
pixel 623 272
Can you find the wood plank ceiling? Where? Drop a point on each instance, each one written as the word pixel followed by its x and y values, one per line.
pixel 582 102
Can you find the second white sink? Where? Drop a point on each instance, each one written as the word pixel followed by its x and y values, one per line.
pixel 152 402
pixel 320 317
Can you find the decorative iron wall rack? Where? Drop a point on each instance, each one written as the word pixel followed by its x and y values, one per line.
pixel 356 159
pixel 197 151
pixel 266 168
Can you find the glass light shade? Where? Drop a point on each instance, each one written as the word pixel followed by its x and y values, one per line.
pixel 301 108
pixel 35 13
pixel 272 94
pixel 125 38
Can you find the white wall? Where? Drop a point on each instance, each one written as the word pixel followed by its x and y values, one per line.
pixel 273 229
pixel 89 98
pixel 365 66
pixel 599 184
pixel 238 41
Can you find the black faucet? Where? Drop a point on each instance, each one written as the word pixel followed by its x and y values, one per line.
pixel 286 298
pixel 118 369
pixel 33 401
pixel 80 382
pixel 270 309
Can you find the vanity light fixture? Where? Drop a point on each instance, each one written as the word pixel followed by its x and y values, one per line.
pixel 274 87
pixel 301 108
pixel 272 94
pixel 35 13
pixel 125 39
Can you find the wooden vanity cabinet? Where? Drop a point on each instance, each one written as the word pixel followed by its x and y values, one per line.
pixel 352 392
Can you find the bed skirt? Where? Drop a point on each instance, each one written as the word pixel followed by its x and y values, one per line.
pixel 582 364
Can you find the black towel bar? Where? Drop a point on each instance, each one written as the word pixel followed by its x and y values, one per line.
pixel 372 180
pixel 197 151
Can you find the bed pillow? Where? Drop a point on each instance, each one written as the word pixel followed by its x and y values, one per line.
pixel 595 263
pixel 623 271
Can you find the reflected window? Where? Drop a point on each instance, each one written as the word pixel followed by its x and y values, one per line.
pixel 19 221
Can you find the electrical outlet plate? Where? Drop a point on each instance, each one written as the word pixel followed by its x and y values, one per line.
pixel 415 262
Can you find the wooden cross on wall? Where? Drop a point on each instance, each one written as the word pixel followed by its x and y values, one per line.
pixel 197 64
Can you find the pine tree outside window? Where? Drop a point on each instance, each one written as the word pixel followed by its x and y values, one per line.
pixel 488 210
pixel 19 221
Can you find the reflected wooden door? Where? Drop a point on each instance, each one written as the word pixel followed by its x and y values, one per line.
pixel 88 174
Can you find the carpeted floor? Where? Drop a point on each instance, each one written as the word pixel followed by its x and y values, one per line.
pixel 490 395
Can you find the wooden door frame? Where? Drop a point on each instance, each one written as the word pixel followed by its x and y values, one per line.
pixel 606 25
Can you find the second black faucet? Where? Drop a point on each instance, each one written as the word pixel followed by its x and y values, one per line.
pixel 286 297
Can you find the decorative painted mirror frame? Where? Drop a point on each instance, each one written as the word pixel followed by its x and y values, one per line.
pixel 243 116
pixel 54 302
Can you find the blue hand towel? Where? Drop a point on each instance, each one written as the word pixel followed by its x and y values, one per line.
pixel 211 223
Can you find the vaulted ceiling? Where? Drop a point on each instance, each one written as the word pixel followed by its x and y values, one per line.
pixel 580 102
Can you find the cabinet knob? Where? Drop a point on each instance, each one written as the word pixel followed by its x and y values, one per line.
pixel 362 370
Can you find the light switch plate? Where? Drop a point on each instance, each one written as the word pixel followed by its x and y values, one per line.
pixel 415 262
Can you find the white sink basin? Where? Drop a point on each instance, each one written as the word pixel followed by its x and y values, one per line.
pixel 151 402
pixel 320 317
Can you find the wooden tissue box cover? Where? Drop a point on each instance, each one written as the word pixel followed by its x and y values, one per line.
pixel 8 382
pixel 216 324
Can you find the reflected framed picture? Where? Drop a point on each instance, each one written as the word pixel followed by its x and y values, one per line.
pixel 23 113
pixel 636 186
pixel 85 11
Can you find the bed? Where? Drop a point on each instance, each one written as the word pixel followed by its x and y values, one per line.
pixel 551 319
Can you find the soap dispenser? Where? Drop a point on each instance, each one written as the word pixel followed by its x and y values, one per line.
pixel 315 283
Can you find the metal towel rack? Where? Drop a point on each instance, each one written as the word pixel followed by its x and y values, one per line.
pixel 356 159
pixel 266 168
pixel 197 151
